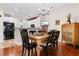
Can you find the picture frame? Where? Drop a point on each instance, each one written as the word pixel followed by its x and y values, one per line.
pixel 57 22
pixel 0 15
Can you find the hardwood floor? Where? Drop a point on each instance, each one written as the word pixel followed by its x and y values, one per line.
pixel 63 50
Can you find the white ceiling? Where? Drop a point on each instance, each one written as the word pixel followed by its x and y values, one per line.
pixel 25 9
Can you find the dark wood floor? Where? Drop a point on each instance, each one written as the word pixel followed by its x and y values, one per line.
pixel 63 50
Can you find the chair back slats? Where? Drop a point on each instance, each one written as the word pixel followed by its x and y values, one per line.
pixel 50 38
pixel 56 36
pixel 32 32
pixel 53 36
pixel 24 35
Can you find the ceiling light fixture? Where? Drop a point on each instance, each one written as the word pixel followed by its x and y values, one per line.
pixel 45 11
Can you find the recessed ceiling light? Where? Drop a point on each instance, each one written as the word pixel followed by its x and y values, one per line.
pixel 15 9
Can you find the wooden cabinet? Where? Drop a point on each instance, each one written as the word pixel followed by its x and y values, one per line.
pixel 70 33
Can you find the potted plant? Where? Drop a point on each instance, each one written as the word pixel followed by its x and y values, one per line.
pixel 69 17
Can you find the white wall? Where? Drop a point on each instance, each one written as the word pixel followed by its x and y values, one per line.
pixel 18 25
pixel 35 21
pixel 1 25
pixel 62 16
pixel 25 24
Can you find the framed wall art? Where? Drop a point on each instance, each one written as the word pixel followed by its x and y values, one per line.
pixel 57 22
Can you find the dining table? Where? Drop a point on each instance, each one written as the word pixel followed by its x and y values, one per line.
pixel 39 39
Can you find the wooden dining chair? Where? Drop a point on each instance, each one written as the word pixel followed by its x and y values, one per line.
pixel 32 32
pixel 26 44
pixel 47 44
pixel 52 41
pixel 55 40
